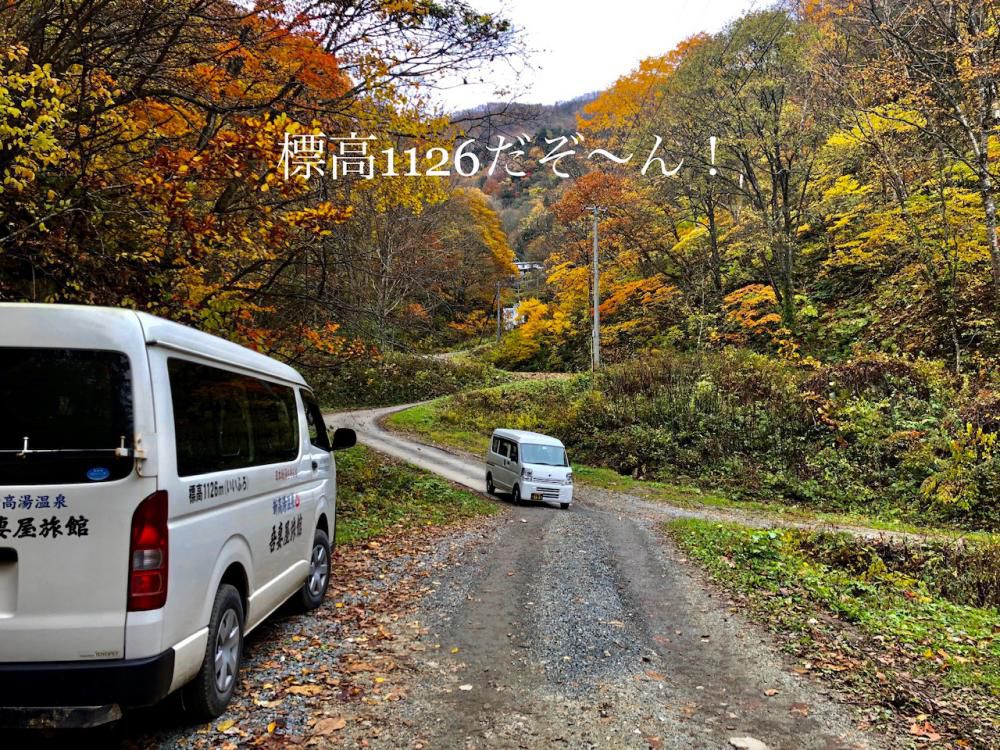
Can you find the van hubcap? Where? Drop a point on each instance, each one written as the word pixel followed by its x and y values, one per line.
pixel 318 570
pixel 227 651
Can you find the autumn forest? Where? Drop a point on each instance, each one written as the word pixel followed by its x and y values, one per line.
pixel 808 312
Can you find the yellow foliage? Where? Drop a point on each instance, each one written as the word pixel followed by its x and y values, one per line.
pixel 32 112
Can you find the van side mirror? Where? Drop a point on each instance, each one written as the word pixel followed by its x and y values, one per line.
pixel 343 437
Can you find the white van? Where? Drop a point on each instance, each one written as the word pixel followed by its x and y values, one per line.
pixel 529 466
pixel 162 491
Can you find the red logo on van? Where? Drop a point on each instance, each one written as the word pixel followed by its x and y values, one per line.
pixel 297 501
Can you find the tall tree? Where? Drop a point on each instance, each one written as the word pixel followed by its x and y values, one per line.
pixel 939 60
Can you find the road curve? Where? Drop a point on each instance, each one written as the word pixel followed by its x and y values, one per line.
pixel 469 471
pixel 366 423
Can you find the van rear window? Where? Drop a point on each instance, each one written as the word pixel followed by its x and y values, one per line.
pixel 224 420
pixel 73 407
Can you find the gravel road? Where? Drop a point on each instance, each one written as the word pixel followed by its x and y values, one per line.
pixel 587 628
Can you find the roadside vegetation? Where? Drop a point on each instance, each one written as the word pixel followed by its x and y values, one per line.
pixel 396 378
pixel 376 494
pixel 901 441
pixel 910 628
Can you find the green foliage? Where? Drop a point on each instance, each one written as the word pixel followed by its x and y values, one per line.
pixel 937 601
pixel 971 460
pixel 396 378
pixel 877 436
pixel 375 493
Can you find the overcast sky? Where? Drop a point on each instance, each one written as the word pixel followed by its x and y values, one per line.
pixel 585 46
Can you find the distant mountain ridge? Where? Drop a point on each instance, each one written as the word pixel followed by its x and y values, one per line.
pixel 515 118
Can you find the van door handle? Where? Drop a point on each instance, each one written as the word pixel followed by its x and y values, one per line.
pixel 315 466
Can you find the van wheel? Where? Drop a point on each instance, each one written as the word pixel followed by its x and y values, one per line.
pixel 515 495
pixel 313 591
pixel 491 488
pixel 209 693
pixel 564 506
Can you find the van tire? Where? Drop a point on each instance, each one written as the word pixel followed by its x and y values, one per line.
pixel 203 696
pixel 515 495
pixel 491 489
pixel 313 591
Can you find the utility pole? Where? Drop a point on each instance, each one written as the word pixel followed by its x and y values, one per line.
pixel 596 329
pixel 499 313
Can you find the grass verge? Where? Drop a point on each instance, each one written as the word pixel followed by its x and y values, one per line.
pixel 884 620
pixel 375 493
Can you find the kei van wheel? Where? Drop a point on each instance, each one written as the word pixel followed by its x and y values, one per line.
pixel 515 495
pixel 207 696
pixel 313 591
pixel 491 489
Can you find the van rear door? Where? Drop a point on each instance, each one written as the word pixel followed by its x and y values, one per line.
pixel 68 487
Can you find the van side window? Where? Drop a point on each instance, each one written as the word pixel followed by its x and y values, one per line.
pixel 314 418
pixel 496 445
pixel 512 447
pixel 274 421
pixel 224 420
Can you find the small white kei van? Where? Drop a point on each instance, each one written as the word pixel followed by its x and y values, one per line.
pixel 529 466
pixel 162 491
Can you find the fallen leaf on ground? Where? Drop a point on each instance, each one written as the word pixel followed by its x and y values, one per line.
pixel 925 729
pixel 266 704
pixel 225 726
pixel 747 743
pixel 305 690
pixel 770 691
pixel 328 726
pixel 359 666
pixel 465 687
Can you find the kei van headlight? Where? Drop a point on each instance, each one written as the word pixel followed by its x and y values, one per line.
pixel 569 478
pixel 527 473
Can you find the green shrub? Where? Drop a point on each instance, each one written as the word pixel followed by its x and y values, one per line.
pixel 398 379
pixel 877 435
pixel 375 493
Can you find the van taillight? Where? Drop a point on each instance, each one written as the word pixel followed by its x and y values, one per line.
pixel 147 583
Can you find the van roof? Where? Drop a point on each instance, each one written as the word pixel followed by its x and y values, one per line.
pixel 155 332
pixel 524 436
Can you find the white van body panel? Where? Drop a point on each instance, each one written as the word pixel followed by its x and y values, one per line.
pixel 74 585
pixel 187 658
pixel 508 466
pixel 65 599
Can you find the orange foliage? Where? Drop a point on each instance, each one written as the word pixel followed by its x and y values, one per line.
pixel 632 94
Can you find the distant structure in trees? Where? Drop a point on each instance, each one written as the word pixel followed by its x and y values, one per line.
pixel 527 266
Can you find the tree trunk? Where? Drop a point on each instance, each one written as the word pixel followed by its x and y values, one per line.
pixel 716 257
pixel 990 209
pixel 787 284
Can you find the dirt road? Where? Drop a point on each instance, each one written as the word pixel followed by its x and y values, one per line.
pixel 587 628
